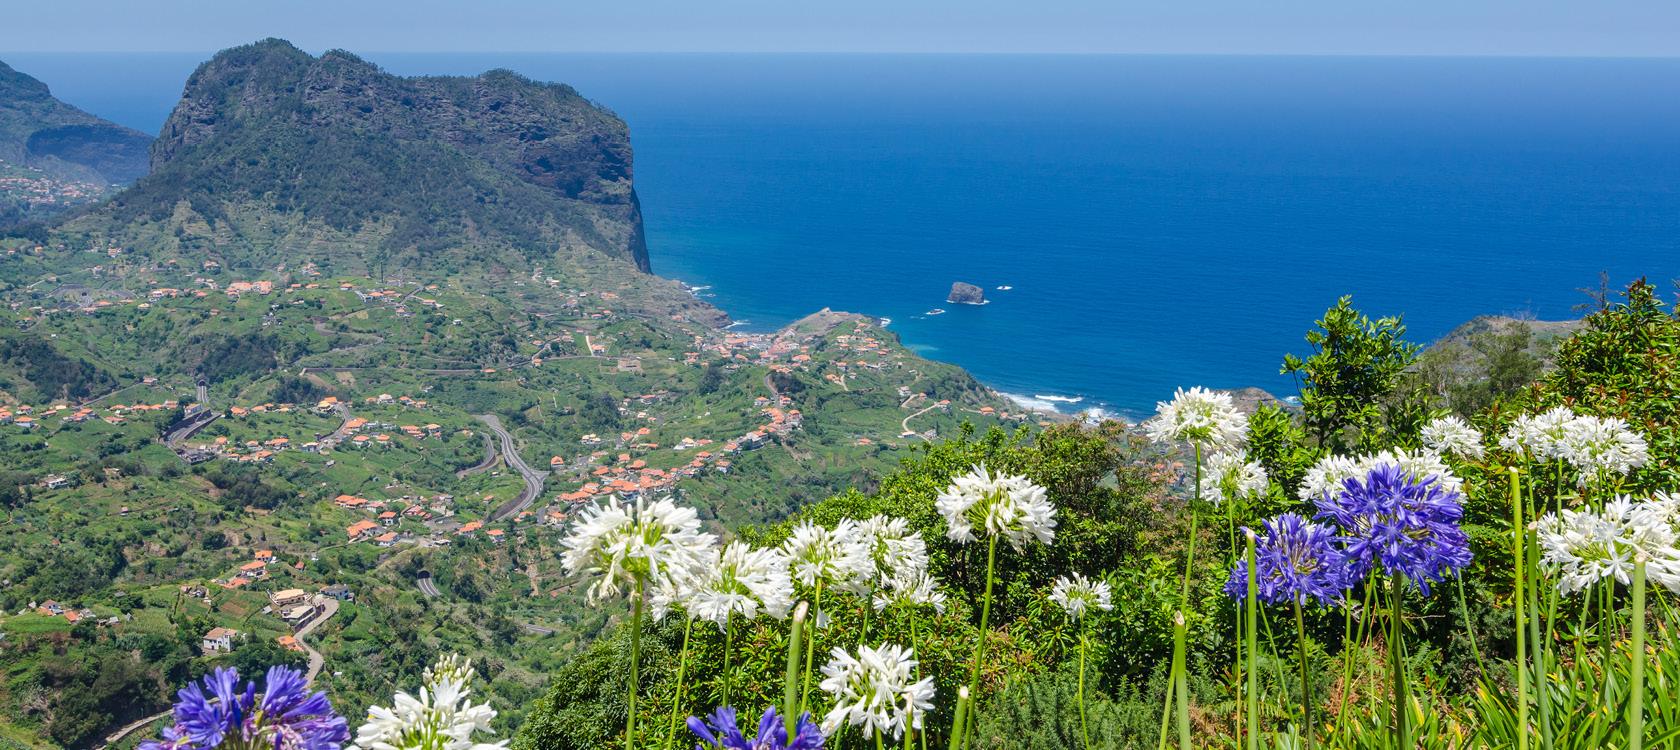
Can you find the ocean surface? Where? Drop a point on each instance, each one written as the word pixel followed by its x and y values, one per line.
pixel 1161 221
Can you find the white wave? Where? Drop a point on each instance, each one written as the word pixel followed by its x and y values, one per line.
pixel 1029 402
pixel 1096 414
pixel 886 322
pixel 737 323
pixel 1063 399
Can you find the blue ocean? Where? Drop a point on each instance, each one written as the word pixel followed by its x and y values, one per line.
pixel 1138 223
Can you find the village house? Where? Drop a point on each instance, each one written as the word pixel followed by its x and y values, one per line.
pixel 219 639
pixel 340 592
pixel 286 598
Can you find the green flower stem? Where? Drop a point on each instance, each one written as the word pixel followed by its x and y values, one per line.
pixel 1253 614
pixel 980 649
pixel 879 742
pixel 635 665
pixel 1519 548
pixel 915 643
pixel 1084 731
pixel 810 654
pixel 1179 646
pixel 682 672
pixel 1397 662
pixel 1308 730
pixel 960 719
pixel 728 645
pixel 1540 649
pixel 791 689
pixel 1636 710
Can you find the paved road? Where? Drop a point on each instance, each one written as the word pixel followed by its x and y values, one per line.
pixel 906 422
pixel 189 429
pixel 315 658
pixel 427 586
pixel 533 478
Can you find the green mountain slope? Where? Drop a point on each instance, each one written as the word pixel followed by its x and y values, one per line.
pixel 274 156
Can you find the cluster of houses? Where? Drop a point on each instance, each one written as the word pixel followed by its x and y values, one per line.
pixel 26 417
pixel 38 188
pixel 50 608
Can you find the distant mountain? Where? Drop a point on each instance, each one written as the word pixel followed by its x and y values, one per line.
pixel 39 131
pixel 275 157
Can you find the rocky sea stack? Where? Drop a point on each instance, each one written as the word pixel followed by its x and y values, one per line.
pixel 967 294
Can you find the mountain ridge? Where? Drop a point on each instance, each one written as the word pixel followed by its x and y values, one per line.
pixel 38 130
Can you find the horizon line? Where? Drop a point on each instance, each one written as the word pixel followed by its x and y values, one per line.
pixel 883 53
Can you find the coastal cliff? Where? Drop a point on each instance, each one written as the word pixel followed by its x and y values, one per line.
pixel 37 130
pixel 329 158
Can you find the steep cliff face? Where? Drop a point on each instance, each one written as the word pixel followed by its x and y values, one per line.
pixel 38 130
pixel 494 170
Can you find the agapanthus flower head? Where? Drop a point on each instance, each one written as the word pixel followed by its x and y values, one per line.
pixel 1403 521
pixel 721 732
pixel 624 543
pixel 885 550
pixel 1331 473
pixel 449 667
pixel 1541 435
pixel 1201 416
pixel 439 718
pixel 1601 448
pixel 221 712
pixel 1451 435
pixel 820 554
pixel 1232 475
pixel 1586 547
pixel 918 590
pixel 1296 561
pixel 875 690
pixel 1077 594
pixel 999 504
pixel 740 579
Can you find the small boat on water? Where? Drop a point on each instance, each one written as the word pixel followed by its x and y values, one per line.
pixel 935 311
pixel 1005 288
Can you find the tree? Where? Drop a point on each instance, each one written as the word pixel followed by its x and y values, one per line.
pixel 1349 385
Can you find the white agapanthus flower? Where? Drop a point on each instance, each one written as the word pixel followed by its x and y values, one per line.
pixel 1199 416
pixel 997 505
pixel 1233 474
pixel 875 690
pixel 1327 476
pixel 1600 448
pixel 1446 435
pixel 885 550
pixel 625 543
pixel 817 554
pixel 1077 594
pixel 440 718
pixel 741 579
pixel 920 590
pixel 1587 547
pixel 1541 435
pixel 1331 472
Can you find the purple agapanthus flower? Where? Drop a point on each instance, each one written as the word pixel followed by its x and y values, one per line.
pixel 285 717
pixel 1406 524
pixel 1295 560
pixel 720 732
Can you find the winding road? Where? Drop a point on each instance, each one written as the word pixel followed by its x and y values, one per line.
pixel 533 478
pixel 426 585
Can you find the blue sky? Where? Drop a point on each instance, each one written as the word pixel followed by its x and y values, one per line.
pixel 1384 27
